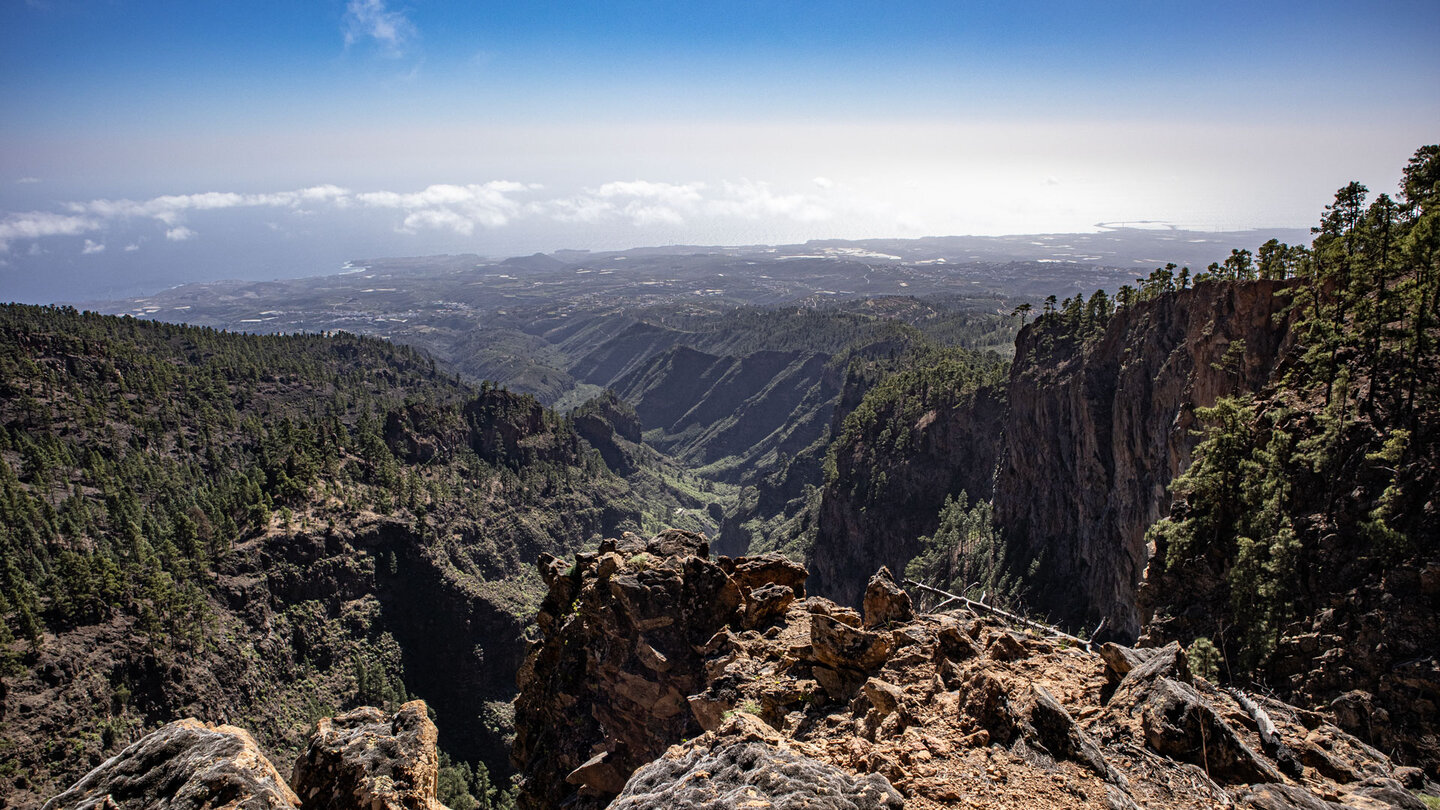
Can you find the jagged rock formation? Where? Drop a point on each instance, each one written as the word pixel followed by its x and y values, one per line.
pixel 185 765
pixel 364 759
pixel 948 708
pixel 624 630
pixel 1095 433
pixel 361 759
pixel 1098 424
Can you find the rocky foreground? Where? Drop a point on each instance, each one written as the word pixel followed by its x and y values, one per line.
pixel 668 679
pixel 665 678
pixel 360 759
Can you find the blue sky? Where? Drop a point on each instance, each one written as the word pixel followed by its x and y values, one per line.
pixel 328 129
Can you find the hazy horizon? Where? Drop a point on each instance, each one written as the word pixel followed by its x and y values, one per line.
pixel 146 145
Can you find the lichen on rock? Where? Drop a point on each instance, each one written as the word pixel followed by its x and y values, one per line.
pixel 184 765
pixel 365 758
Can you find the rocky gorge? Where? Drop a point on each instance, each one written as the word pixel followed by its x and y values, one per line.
pixel 666 678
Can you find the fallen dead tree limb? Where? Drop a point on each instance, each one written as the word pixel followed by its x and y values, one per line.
pixel 981 607
pixel 1269 737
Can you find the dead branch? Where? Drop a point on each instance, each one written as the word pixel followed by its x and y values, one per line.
pixel 981 607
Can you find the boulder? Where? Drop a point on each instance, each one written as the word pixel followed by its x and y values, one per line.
pixel 598 775
pixel 885 601
pixel 839 645
pixel 953 643
pixel 1284 797
pixel 737 773
pixel 1179 722
pixel 677 543
pixel 766 603
pixel 985 702
pixel 886 698
pixel 767 569
pixel 1056 730
pixel 1004 646
pixel 184 765
pixel 365 759
pixel 1119 659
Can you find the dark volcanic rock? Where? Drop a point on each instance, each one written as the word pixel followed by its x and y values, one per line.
pixel 365 759
pixel 185 765
pixel 751 774
pixel 1101 430
pixel 1056 730
pixel 837 644
pixel 766 603
pixel 766 569
pixel 626 633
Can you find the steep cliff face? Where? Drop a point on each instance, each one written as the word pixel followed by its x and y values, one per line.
pixel 930 432
pixel 1095 433
pixel 955 450
pixel 1077 447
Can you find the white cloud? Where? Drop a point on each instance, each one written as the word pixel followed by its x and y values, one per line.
pixel 370 19
pixel 27 180
pixel 451 207
pixel 823 182
pixel 132 247
pixel 38 224
pixel 92 247
pixel 751 200
pixel 460 209
pixel 646 203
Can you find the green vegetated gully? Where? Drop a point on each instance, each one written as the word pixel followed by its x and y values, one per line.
pixel 268 529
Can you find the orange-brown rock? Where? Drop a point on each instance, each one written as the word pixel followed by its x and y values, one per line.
pixel 885 602
pixel 626 632
pixel 1047 724
pixel 917 708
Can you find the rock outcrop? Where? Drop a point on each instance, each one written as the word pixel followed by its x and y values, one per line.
pixel 1076 449
pixel 365 759
pixel 751 774
pixel 947 708
pixel 604 691
pixel 360 759
pixel 184 765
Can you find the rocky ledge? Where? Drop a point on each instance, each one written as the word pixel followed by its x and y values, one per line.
pixel 667 679
pixel 361 759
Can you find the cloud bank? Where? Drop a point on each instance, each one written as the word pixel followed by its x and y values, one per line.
pixel 463 210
